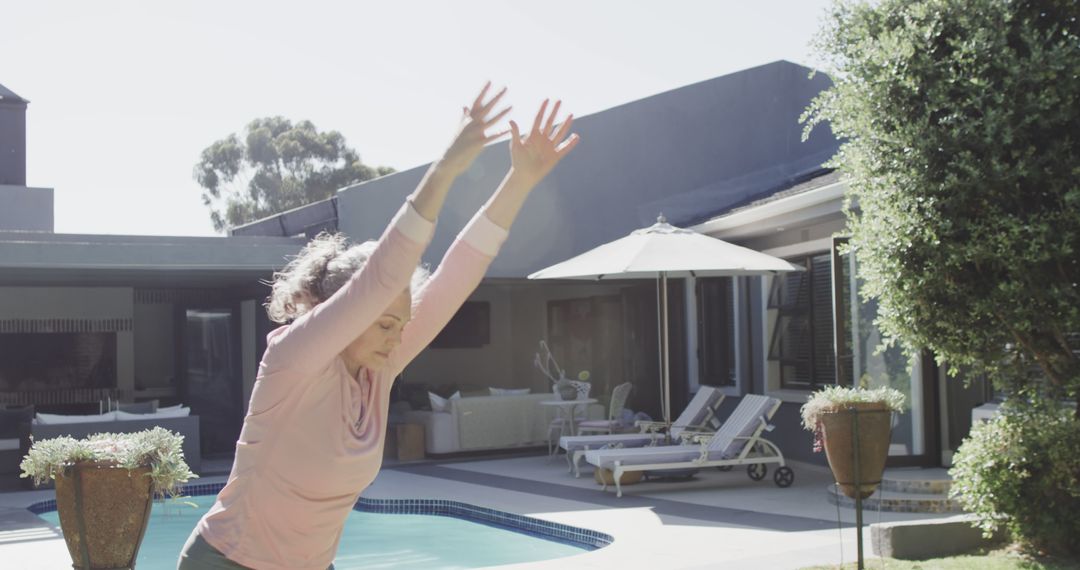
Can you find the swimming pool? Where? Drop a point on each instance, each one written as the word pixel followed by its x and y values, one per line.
pixel 386 533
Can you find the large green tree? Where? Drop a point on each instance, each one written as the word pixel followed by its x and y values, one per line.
pixel 277 166
pixel 961 121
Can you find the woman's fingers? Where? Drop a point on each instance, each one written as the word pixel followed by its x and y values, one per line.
pixel 488 123
pixel 563 129
pixel 515 134
pixel 551 118
pixel 495 136
pixel 490 104
pixel 539 116
pixel 480 98
pixel 567 145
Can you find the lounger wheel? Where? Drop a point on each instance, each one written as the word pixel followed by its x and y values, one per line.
pixel 783 477
pixel 757 471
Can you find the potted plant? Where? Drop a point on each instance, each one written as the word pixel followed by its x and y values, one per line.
pixel 831 414
pixel 105 486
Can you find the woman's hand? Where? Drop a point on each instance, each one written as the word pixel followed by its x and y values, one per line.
pixel 473 135
pixel 534 155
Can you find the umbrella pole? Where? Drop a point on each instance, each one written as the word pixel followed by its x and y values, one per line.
pixel 660 347
pixel 660 304
pixel 666 378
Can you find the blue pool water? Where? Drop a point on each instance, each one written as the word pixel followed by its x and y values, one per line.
pixel 370 540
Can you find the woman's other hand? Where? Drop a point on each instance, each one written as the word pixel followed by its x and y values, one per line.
pixel 534 155
pixel 476 124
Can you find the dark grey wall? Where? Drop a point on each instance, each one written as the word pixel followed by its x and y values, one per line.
pixel 12 141
pixel 26 209
pixel 687 153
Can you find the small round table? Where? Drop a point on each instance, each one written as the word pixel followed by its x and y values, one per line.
pixel 566 409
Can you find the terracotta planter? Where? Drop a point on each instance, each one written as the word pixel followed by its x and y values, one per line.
pixel 607 477
pixel 875 432
pixel 103 512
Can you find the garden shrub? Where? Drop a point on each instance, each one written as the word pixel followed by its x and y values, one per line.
pixel 1021 472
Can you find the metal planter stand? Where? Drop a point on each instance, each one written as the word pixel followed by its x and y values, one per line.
pixel 879 435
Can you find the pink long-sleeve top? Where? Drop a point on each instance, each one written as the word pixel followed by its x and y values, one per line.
pixel 313 436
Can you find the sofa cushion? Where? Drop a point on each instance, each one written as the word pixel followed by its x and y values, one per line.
pixel 509 391
pixel 181 412
pixel 147 407
pixel 58 419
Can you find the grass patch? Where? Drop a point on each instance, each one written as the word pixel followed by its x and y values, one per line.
pixel 1003 559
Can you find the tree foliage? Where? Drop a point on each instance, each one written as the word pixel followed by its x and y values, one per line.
pixel 276 167
pixel 961 122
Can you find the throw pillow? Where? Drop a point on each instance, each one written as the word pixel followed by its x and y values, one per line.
pixel 440 404
pixel 12 418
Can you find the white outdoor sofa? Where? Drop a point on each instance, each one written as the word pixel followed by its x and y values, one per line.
pixel 478 423
pixel 82 426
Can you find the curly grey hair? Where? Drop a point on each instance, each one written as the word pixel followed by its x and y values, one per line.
pixel 324 265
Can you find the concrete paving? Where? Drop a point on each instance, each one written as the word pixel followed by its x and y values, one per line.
pixel 717 520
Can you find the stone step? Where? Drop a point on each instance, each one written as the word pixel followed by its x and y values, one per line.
pixel 897 502
pixel 919 481
pixel 916 487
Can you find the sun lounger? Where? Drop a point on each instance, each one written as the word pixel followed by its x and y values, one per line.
pixel 739 441
pixel 698 416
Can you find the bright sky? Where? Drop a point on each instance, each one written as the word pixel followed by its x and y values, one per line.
pixel 125 95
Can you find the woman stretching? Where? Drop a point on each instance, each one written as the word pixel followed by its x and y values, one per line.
pixel 312 440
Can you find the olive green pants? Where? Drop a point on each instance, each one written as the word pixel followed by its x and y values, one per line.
pixel 199 555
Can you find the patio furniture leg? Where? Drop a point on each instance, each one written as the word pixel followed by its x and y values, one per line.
pixel 616 474
pixel 578 455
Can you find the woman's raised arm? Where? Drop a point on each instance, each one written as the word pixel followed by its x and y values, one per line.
pixel 532 156
pixel 473 134
pixel 316 337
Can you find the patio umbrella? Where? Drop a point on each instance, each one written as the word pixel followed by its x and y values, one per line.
pixel 658 252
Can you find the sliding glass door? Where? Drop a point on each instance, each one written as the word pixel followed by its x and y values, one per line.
pixel 210 374
pixel 865 361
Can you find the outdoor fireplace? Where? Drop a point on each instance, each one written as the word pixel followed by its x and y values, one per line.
pixel 47 361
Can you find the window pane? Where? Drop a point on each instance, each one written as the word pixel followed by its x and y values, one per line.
pixel 716 339
pixel 802 340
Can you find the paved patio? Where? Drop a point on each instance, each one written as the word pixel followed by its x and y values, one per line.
pixel 716 520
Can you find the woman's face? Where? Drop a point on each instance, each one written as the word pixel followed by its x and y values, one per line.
pixel 372 348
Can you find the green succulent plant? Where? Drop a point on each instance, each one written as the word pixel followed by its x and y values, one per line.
pixel 158 449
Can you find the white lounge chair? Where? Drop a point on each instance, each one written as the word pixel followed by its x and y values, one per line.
pixel 737 442
pixel 698 416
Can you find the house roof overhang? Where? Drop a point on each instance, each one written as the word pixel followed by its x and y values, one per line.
pixel 798 209
pixel 28 258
